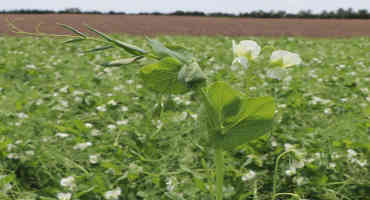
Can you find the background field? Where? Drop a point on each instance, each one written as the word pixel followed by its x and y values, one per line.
pixel 177 25
pixel 62 114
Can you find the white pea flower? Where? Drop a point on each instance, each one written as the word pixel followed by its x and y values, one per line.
pixel 88 125
pixel 249 176
pixel 31 66
pixel 82 146
pixel 194 116
pixel 94 159
pixel 29 153
pixel 361 163
pixel 124 108
pixel 298 164
pixel 6 187
pixel 299 180
pixel 39 102
pixel 11 146
pixel 327 111
pixel 273 142
pixel 364 90
pixel 78 99
pixel 64 196
pixel 95 132
pixel 289 147
pixel 77 92
pixel 130 82
pixel 62 135
pixel 351 153
pixel 112 102
pixel 291 171
pixel 22 115
pixel 68 182
pixel 111 126
pixel 13 156
pixel 247 48
pixel 171 184
pixel 112 194
pixel 286 58
pixel 122 122
pixel 332 165
pixel 101 108
pixel 64 89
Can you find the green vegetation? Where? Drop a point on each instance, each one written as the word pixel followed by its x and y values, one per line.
pixel 69 125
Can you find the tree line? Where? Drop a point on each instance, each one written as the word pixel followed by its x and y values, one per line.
pixel 304 14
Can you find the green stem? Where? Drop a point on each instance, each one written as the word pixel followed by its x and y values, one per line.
pixel 255 190
pixel 275 176
pixel 219 172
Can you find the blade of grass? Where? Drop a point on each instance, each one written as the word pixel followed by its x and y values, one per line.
pixel 121 62
pixel 73 30
pixel 73 40
pixel 99 49
pixel 128 47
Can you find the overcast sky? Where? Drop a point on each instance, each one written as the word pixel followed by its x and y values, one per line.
pixel 229 6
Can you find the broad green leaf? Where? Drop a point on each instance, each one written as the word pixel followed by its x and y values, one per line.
pixel 230 110
pixel 122 62
pixel 192 75
pixel 209 114
pixel 221 102
pixel 162 51
pixel 128 47
pixel 99 49
pixel 254 120
pixel 162 76
pixel 73 30
pixel 221 96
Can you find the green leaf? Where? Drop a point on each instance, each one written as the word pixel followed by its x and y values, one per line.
pixel 162 76
pixel 122 62
pixel 99 49
pixel 220 101
pixel 74 40
pixel 128 47
pixel 162 51
pixel 73 30
pixel 192 75
pixel 221 95
pixel 254 120
pixel 185 53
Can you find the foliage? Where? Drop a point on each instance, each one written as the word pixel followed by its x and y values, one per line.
pixel 62 114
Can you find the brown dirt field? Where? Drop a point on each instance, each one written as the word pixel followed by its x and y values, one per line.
pixel 176 25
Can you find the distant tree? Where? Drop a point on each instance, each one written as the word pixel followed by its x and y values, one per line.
pixel 71 11
pixel 363 14
pixel 338 14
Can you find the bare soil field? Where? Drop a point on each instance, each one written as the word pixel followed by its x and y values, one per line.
pixel 177 25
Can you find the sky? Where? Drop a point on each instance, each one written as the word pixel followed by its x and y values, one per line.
pixel 226 6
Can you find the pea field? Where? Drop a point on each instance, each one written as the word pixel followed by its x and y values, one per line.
pixel 74 126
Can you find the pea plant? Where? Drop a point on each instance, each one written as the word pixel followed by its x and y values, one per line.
pixel 231 117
